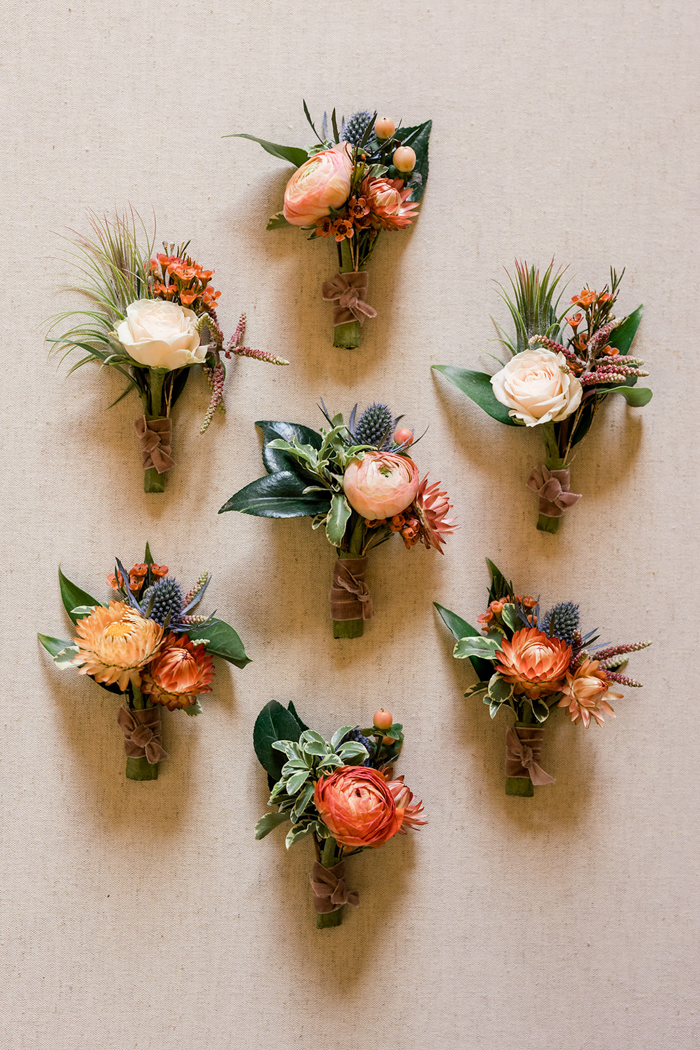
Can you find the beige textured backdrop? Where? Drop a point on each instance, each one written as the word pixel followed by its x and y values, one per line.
pixel 145 916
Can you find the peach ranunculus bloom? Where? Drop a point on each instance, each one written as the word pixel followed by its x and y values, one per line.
pixel 537 386
pixel 357 806
pixel 381 484
pixel 181 672
pixel 321 183
pixel 584 691
pixel 535 664
pixel 389 203
pixel 114 642
pixel 158 334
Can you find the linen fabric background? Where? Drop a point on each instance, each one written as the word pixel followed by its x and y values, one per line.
pixel 145 915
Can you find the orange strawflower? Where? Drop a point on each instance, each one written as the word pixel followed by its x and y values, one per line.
pixel 114 642
pixel 535 664
pixel 181 672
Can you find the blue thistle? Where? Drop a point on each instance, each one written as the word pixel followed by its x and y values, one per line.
pixel 562 621
pixel 355 128
pixel 165 600
pixel 375 426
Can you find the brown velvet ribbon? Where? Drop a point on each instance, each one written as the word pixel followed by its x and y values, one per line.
pixel 329 889
pixel 349 289
pixel 350 597
pixel 523 753
pixel 156 436
pixel 552 486
pixel 142 734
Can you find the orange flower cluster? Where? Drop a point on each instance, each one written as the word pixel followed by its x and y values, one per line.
pixel 493 613
pixel 587 298
pixel 137 577
pixel 424 521
pixel 381 204
pixel 182 280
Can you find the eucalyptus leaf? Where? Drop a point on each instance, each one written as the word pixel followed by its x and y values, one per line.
pixel 477 386
pixel 294 154
pixel 268 823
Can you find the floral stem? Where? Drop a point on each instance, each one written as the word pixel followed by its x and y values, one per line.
pixel 140 768
pixel 347 335
pixel 329 860
pixel 153 409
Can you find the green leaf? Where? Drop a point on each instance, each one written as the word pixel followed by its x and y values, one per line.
pixel 272 724
pixel 540 709
pixel 294 154
pixel 302 802
pixel 193 709
pixel 623 336
pixel 461 629
pixel 278 496
pixel 73 597
pixel 62 652
pixel 293 710
pixel 484 648
pixel 339 734
pixel 297 780
pixel 500 586
pixel 276 460
pixel 474 690
pixel 298 832
pixel 477 386
pixel 337 519
pixel 499 690
pixel 268 823
pixel 511 617
pixel 636 396
pixel 494 706
pixel 277 221
pixel 419 136
pixel 148 558
pixel 353 749
pixel 222 641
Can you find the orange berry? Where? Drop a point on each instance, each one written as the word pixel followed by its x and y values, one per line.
pixel 404 159
pixel 384 128
pixel 403 436
pixel 383 719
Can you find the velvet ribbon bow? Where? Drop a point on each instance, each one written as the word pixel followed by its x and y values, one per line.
pixel 350 597
pixel 156 437
pixel 349 289
pixel 329 889
pixel 523 750
pixel 552 486
pixel 141 731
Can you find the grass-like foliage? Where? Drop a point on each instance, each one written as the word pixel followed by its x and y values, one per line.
pixel 533 307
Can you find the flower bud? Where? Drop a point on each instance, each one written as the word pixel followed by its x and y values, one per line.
pixel 384 128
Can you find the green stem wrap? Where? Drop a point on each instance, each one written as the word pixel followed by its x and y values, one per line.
pixel 329 859
pixel 347 335
pixel 153 409
pixel 140 768
pixel 552 461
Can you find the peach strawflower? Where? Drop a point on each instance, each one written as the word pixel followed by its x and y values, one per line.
pixel 357 806
pixel 114 643
pixel 180 673
pixel 535 664
pixel 389 204
pixel 584 691
pixel 403 799
pixel 432 507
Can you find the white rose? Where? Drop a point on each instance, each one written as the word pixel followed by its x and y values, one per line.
pixel 538 387
pixel 159 334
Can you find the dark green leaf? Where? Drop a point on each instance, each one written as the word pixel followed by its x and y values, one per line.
pixel 499 690
pixel 636 396
pixel 278 496
pixel 292 708
pixel 148 558
pixel 494 706
pixel 62 652
pixel 500 586
pixel 623 336
pixel 273 723
pixel 461 629
pixel 294 154
pixel 276 459
pixel 268 823
pixel 72 596
pixel 477 386
pixel 222 641
pixel 419 137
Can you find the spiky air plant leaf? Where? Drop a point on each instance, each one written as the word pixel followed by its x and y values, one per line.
pixel 533 307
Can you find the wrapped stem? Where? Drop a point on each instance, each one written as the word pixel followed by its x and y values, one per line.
pixel 153 409
pixel 347 335
pixel 140 768
pixel 329 858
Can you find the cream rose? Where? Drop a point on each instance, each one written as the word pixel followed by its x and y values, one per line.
pixel 159 334
pixel 321 183
pixel 538 387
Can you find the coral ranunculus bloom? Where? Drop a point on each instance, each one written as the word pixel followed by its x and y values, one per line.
pixel 381 484
pixel 357 806
pixel 181 672
pixel 114 643
pixel 584 691
pixel 534 663
pixel 321 183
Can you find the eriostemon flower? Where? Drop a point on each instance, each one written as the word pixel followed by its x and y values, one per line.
pixel 114 643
